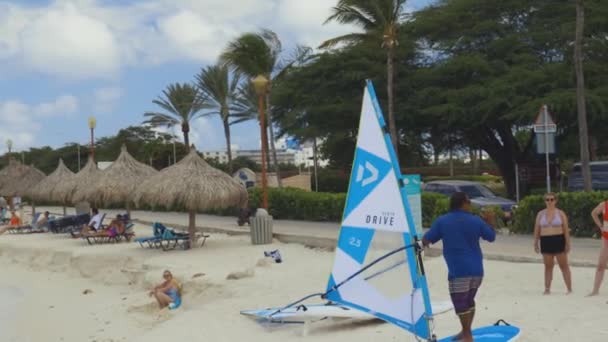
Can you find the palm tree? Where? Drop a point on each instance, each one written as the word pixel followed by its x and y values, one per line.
pixel 221 90
pixel 380 21
pixel 256 54
pixel 583 133
pixel 182 103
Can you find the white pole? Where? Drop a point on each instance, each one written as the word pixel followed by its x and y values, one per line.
pixel 314 151
pixel 516 182
pixel 546 125
pixel 174 155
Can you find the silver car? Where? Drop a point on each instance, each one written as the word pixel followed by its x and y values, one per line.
pixel 480 195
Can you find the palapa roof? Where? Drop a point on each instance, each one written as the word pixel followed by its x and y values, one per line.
pixel 16 179
pixel 45 190
pixel 83 179
pixel 118 182
pixel 191 184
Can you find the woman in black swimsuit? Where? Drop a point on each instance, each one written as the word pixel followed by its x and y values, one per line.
pixel 552 240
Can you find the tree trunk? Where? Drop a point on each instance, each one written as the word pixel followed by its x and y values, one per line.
pixel 186 131
pixel 228 148
pixel 593 148
pixel 473 157
pixel 191 226
pixel 272 147
pixel 64 211
pixel 391 110
pixel 580 95
pixel 451 162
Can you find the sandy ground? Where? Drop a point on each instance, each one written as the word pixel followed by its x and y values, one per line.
pixel 45 277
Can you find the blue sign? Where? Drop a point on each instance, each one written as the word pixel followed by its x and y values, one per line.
pixel 413 190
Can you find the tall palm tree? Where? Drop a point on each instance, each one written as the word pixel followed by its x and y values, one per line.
pixel 182 104
pixel 583 133
pixel 379 20
pixel 220 88
pixel 256 54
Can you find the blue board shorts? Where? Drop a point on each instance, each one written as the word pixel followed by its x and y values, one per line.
pixel 462 292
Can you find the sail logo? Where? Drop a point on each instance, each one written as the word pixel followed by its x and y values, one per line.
pixel 372 171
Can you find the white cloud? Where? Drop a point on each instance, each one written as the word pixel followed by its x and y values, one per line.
pixel 96 39
pixel 305 20
pixel 21 122
pixel 66 41
pixel 63 105
pixel 106 98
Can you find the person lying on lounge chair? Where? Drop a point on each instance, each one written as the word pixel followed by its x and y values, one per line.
pixel 43 220
pixel 116 227
pixel 14 222
pixel 93 226
pixel 168 293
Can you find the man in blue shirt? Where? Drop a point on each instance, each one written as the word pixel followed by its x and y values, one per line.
pixel 460 232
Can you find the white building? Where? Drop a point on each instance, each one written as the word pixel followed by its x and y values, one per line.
pixel 289 151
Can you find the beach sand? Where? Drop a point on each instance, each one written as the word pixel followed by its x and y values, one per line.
pixel 70 291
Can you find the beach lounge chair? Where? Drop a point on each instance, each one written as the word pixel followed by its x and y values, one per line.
pixel 27 228
pixel 127 235
pixel 34 227
pixel 167 239
pixel 150 241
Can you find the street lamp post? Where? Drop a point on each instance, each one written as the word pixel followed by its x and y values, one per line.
pixel 92 124
pixel 260 83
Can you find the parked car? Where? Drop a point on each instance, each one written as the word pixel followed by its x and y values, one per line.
pixel 480 195
pixel 599 176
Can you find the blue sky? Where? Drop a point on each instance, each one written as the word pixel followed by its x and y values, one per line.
pixel 62 61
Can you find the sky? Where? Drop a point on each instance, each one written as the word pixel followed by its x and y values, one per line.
pixel 63 61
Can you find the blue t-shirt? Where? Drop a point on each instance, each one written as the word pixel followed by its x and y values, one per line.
pixel 460 232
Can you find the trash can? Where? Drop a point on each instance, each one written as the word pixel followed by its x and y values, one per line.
pixel 261 229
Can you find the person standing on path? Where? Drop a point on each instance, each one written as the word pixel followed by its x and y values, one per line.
pixel 601 209
pixel 552 240
pixel 460 231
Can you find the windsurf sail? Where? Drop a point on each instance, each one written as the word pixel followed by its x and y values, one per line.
pixel 377 267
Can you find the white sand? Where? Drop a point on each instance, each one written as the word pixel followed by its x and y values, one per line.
pixel 52 271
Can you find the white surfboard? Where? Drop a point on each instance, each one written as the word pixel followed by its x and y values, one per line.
pixel 303 313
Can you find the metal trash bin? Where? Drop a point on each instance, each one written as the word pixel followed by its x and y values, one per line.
pixel 261 230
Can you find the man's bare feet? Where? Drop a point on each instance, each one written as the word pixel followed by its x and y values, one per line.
pixel 547 292
pixel 457 337
pixel 592 294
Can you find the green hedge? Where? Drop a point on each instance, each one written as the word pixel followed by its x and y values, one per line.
pixel 296 204
pixel 576 205
pixel 433 205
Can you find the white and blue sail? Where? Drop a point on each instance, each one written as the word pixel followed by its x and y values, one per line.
pixel 376 205
pixel 378 269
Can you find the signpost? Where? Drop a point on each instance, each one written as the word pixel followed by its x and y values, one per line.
pixel 545 126
pixel 413 190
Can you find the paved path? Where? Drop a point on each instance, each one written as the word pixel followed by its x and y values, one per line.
pixel 513 248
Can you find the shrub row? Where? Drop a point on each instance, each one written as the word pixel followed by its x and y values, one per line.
pixel 576 205
pixel 296 204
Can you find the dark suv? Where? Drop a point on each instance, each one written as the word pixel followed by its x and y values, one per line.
pixel 599 176
pixel 479 194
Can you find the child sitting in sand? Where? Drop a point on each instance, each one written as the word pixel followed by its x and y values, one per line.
pixel 168 293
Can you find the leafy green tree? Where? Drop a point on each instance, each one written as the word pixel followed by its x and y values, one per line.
pixel 220 88
pixel 380 21
pixel 182 104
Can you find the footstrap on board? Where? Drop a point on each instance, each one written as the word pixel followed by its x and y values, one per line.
pixel 503 322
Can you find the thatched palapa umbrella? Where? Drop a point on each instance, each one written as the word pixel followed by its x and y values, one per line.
pixel 83 179
pixel 191 184
pixel 18 179
pixel 45 190
pixel 118 182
